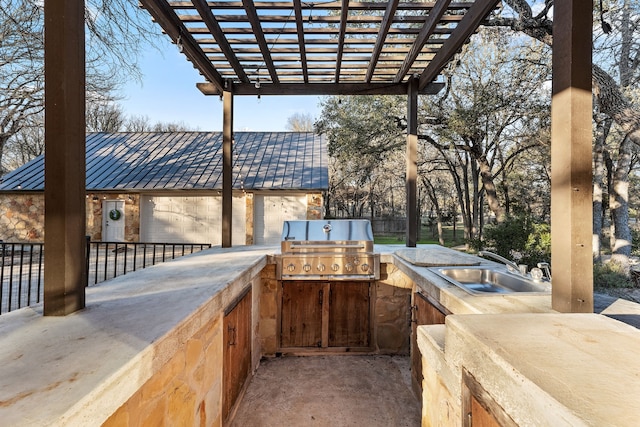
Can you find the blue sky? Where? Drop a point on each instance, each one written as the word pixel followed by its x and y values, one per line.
pixel 168 93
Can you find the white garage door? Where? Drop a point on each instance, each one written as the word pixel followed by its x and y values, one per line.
pixel 271 211
pixel 193 219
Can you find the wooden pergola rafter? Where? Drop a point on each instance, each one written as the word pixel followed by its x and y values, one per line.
pixel 252 14
pixel 302 44
pixel 389 13
pixel 220 39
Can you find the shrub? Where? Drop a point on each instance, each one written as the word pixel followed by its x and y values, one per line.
pixel 610 275
pixel 522 238
pixel 635 241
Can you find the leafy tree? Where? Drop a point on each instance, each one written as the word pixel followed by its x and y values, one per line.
pixel 363 136
pixel 473 134
pixel 493 112
pixel 520 237
pixel 615 72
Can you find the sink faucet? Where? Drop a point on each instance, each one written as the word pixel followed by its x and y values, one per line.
pixel 544 266
pixel 511 266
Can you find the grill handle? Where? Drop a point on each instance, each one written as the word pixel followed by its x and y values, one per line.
pixel 337 246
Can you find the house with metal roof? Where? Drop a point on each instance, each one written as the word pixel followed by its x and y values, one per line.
pixel 166 187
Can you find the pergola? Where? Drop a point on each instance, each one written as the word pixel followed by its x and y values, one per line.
pixel 246 47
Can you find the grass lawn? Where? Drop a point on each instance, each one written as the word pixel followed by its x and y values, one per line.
pixel 427 236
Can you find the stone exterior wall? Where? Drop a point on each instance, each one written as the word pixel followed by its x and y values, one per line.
pixel 22 217
pixel 250 230
pixel 314 206
pixel 187 389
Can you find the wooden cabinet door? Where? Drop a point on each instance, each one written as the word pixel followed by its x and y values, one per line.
pixel 479 409
pixel 425 313
pixel 349 314
pixel 301 313
pixel 237 351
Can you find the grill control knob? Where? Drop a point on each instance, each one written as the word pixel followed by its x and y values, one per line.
pixel 321 267
pixel 306 267
pixel 356 261
pixel 291 267
pixel 364 267
pixel 348 266
pixel 335 267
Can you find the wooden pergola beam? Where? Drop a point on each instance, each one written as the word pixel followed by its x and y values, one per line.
pixel 274 41
pixel 324 19
pixel 227 165
pixel 336 5
pixel 412 164
pixel 318 50
pixel 249 89
pixel 571 155
pixel 64 164
pixel 171 24
pixel 324 30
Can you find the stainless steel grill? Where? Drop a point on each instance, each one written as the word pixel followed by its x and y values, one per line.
pixel 328 250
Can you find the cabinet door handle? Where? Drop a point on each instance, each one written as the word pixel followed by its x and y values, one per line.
pixel 413 314
pixel 320 296
pixel 232 335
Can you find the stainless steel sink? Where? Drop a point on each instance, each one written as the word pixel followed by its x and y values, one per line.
pixel 490 281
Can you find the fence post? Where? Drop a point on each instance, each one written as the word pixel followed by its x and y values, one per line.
pixel 88 239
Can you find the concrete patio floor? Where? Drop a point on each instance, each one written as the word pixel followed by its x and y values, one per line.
pixel 340 390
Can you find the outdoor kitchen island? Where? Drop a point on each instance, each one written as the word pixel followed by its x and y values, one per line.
pixel 175 344
pixel 510 360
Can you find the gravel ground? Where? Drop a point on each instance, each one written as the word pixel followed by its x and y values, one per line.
pixel 631 294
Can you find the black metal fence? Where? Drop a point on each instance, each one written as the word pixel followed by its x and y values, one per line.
pixel 106 260
pixel 22 265
pixel 21 275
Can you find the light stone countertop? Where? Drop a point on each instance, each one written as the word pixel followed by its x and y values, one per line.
pixel 54 368
pixel 551 369
pixel 457 300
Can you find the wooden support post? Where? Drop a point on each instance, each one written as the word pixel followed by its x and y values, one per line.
pixel 571 157
pixel 227 164
pixel 412 163
pixel 65 247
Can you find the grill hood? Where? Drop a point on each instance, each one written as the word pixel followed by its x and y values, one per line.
pixel 327 230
